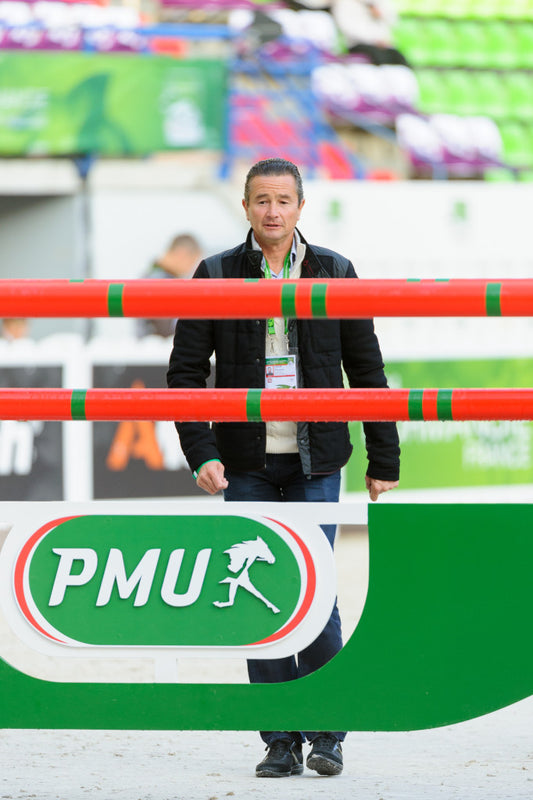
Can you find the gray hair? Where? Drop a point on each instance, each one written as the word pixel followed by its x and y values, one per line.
pixel 274 166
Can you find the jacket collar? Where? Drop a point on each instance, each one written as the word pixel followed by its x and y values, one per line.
pixel 311 266
pixel 253 257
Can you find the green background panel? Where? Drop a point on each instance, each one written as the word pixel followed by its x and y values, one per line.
pixel 72 103
pixel 156 623
pixel 453 454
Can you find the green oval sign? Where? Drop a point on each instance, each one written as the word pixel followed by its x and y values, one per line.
pixel 151 581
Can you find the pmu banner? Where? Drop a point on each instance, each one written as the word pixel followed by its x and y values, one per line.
pixel 137 458
pixel 100 581
pixel 69 102
pixel 31 452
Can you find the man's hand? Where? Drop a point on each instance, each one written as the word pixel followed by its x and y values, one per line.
pixel 211 477
pixel 375 487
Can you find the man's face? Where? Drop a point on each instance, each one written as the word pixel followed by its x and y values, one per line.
pixel 272 208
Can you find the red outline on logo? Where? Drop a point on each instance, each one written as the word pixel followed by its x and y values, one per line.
pixel 20 567
pixel 309 592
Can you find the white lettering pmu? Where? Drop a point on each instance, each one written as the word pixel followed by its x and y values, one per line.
pixel 168 593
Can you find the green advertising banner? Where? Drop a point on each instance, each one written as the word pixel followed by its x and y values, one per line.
pixel 173 596
pixel 79 103
pixel 234 584
pixel 456 454
pixel 442 638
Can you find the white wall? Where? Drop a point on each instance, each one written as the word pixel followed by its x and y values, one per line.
pixel 431 230
pixel 412 229
pixel 42 237
pixel 389 230
pixel 134 216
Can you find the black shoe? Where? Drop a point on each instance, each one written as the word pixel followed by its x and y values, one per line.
pixel 284 758
pixel 326 755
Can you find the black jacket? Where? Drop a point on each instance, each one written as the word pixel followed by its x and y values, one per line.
pixel 239 346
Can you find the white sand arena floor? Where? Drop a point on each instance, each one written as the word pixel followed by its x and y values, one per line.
pixel 485 759
pixel 490 758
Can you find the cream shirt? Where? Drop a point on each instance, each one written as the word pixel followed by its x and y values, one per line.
pixel 281 436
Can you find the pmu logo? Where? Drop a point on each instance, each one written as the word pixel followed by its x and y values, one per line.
pixel 152 581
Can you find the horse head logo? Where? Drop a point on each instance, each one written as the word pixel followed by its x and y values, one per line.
pixel 241 558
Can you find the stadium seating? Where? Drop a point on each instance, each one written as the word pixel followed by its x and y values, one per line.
pixel 471 76
pixel 474 58
pixel 518 143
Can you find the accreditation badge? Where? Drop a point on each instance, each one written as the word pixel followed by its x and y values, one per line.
pixel 280 372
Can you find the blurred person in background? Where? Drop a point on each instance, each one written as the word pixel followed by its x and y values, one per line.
pixel 15 328
pixel 309 5
pixel 179 260
pixel 261 27
pixel 366 26
pixel 282 461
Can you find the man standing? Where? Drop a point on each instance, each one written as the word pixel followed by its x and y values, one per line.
pixel 282 461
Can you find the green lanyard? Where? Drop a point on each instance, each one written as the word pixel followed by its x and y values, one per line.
pixel 268 274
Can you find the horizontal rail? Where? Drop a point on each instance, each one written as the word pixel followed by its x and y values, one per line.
pixel 256 405
pixel 240 299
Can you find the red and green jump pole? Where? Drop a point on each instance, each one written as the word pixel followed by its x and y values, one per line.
pixel 256 405
pixel 250 299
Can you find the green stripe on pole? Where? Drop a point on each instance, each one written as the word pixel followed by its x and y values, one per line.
pixel 318 300
pixel 253 405
pixel 114 300
pixel 288 304
pixel 492 300
pixel 414 404
pixel 444 404
pixel 76 280
pixel 77 404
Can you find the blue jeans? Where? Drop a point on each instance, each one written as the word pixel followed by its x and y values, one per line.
pixel 284 481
